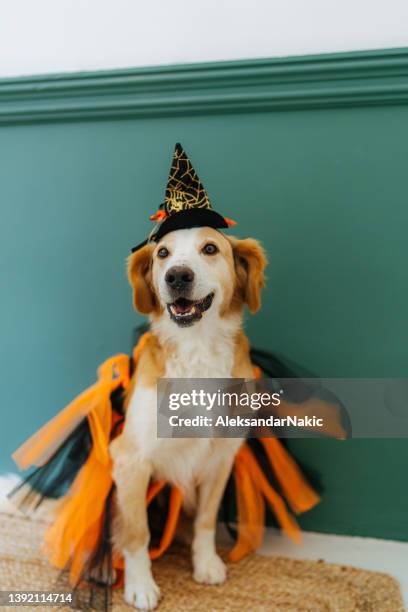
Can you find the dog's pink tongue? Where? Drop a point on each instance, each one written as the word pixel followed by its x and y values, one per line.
pixel 182 306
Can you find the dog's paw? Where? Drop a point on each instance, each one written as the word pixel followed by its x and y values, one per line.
pixel 144 595
pixel 209 569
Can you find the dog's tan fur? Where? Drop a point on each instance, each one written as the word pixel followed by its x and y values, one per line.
pixel 237 272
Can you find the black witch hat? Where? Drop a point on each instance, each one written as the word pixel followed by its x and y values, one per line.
pixel 186 203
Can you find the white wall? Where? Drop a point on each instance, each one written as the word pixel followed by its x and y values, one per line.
pixel 42 36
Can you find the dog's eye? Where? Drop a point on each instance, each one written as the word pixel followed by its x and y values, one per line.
pixel 162 253
pixel 210 249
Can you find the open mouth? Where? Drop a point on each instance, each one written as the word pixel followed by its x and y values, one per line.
pixel 186 312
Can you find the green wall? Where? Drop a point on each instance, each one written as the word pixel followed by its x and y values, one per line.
pixel 323 185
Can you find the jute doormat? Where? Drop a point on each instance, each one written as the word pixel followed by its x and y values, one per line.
pixel 256 584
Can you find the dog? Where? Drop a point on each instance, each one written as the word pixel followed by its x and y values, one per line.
pixel 193 284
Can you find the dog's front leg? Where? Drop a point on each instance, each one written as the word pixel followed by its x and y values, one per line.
pixel 131 532
pixel 208 566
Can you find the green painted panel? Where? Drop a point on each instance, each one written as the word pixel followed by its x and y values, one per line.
pixel 324 190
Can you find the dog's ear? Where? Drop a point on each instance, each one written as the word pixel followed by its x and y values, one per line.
pixel 140 279
pixel 250 262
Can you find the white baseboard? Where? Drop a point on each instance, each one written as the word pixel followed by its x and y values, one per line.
pixel 7 484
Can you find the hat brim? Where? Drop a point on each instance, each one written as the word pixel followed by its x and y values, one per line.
pixel 186 219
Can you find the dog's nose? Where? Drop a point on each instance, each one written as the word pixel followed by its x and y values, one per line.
pixel 179 278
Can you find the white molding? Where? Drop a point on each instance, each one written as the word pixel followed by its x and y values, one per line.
pixel 7 484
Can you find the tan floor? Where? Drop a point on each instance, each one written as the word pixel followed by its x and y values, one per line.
pixel 258 583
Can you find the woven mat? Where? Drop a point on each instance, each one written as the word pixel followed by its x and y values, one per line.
pixel 256 584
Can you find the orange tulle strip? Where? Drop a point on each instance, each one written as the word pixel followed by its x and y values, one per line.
pixel 175 504
pixel 253 487
pixel 72 538
pixel 251 511
pixel 298 492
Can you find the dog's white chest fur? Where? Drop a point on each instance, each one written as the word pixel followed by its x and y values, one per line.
pixel 200 352
pixel 197 355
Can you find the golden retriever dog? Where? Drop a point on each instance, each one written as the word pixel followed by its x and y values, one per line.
pixel 193 285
